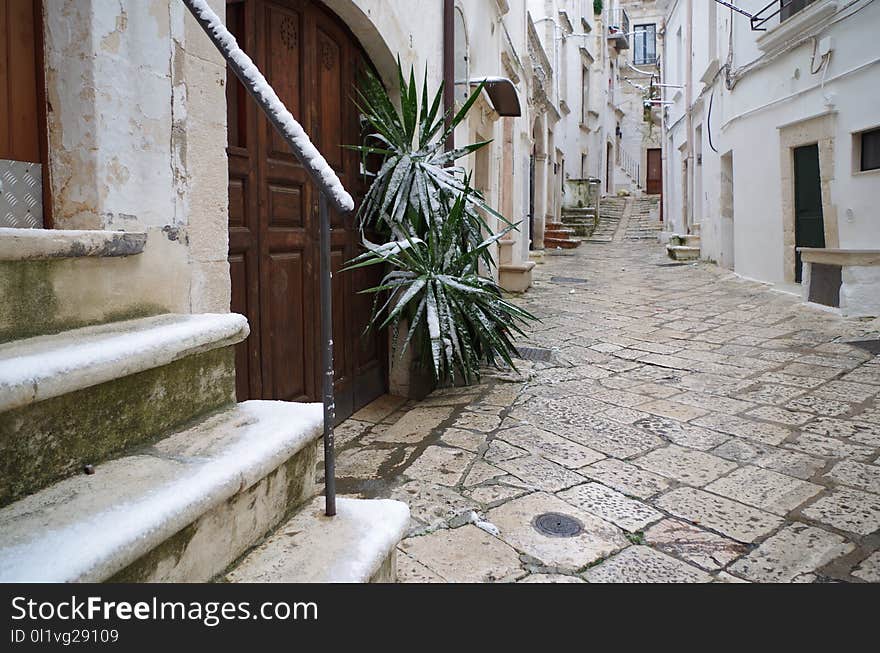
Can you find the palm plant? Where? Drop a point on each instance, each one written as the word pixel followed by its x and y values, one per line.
pixel 434 285
pixel 417 176
pixel 434 221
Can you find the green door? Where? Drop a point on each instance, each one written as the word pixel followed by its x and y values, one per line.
pixel 809 227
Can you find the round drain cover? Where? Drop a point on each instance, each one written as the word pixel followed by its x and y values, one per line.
pixel 556 524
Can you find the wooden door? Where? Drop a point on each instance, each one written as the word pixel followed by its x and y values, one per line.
pixel 808 218
pixel 22 90
pixel 312 61
pixel 654 181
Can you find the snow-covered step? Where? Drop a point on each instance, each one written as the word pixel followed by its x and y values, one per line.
pixel 43 367
pixel 55 279
pixel 682 252
pixel 357 545
pixel 87 394
pixel 688 240
pixel 181 510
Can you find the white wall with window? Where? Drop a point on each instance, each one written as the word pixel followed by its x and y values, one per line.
pixel 809 78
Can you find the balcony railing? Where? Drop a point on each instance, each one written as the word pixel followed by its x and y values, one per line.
pixel 330 190
pixel 618 28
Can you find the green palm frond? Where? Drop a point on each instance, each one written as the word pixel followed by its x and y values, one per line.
pixel 458 317
pixel 417 176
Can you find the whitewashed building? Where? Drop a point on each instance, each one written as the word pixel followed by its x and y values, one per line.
pixel 771 143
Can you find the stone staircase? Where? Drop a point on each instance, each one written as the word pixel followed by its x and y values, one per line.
pixel 582 221
pixel 611 212
pixel 683 247
pixel 123 455
pixel 558 236
pixel 644 222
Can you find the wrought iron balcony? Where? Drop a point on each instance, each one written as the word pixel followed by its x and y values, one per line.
pixel 618 28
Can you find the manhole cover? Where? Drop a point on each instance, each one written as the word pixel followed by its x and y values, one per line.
pixel 534 354
pixel 872 346
pixel 671 265
pixel 556 524
pixel 567 280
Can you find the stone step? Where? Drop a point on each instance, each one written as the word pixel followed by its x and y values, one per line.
pixel 558 232
pixel 357 545
pixel 564 243
pixel 181 510
pixel 683 252
pixel 52 280
pixel 578 212
pixel 90 393
pixel 689 240
pixel 582 226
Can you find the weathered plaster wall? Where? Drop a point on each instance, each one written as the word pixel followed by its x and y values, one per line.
pixel 137 136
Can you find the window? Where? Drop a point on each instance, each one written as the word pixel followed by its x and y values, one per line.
pixel 585 94
pixel 867 144
pixel 788 8
pixel 645 51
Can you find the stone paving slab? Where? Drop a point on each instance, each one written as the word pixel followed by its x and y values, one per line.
pixel 597 540
pixel 766 489
pixel 736 520
pixel 642 564
pixel 702 548
pixel 685 465
pixel 464 555
pixel 794 551
pixel 629 514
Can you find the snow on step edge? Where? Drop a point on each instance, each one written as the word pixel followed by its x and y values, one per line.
pixel 43 367
pixel 89 527
pixel 312 548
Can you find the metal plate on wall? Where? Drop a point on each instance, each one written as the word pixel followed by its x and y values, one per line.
pixel 21 194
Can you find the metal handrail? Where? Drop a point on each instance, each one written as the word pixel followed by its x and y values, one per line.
pixel 762 17
pixel 330 190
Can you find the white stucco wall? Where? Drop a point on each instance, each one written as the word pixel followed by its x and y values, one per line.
pixel 775 90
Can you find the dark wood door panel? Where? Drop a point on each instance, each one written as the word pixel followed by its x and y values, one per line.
pixel 311 59
pixel 284 66
pixel 286 349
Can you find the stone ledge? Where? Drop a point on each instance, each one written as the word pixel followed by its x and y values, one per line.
pixel 90 527
pixel 831 256
pixel 351 547
pixel 43 367
pixel 38 244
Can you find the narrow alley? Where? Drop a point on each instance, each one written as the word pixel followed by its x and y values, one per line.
pixel 670 422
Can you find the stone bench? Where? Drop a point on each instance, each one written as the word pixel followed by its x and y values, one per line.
pixel 848 279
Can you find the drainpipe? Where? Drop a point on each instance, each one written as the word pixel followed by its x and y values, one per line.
pixel 449 67
pixel 689 89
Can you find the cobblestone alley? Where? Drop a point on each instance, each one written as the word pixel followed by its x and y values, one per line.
pixel 674 423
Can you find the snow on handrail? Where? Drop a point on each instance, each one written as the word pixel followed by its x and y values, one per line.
pixel 260 89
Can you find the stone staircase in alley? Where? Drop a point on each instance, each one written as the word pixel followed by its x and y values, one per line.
pixel 611 212
pixel 683 247
pixel 582 221
pixel 559 236
pixel 123 453
pixel 644 222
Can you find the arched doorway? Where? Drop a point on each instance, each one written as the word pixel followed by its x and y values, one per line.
pixel 312 61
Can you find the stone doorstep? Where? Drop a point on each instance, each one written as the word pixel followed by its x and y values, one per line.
pixel 687 240
pixel 178 497
pixel 41 244
pixel 357 545
pixel 43 367
pixel 683 252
